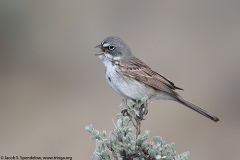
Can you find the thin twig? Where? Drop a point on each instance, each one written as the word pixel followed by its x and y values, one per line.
pixel 138 129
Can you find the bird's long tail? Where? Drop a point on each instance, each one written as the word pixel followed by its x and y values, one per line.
pixel 197 109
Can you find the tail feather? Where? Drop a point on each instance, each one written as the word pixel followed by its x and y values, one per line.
pixel 197 109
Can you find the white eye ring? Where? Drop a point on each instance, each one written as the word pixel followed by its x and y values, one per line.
pixel 111 47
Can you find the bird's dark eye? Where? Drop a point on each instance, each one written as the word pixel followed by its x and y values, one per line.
pixel 111 47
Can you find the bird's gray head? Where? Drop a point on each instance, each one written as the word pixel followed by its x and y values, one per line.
pixel 114 48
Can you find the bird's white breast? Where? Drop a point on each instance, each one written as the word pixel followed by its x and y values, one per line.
pixel 126 86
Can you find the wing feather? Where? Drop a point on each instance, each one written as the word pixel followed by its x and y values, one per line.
pixel 140 71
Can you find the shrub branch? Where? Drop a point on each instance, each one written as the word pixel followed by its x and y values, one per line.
pixel 121 143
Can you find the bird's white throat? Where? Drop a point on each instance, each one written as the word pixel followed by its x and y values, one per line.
pixel 108 59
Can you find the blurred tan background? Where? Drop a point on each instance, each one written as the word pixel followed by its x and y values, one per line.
pixel 52 85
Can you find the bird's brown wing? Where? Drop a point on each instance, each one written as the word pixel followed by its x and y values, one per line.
pixel 141 72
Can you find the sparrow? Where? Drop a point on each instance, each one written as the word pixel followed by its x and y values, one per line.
pixel 133 79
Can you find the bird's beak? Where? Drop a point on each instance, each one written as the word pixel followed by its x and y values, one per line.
pixel 99 53
pixel 102 50
pixel 98 46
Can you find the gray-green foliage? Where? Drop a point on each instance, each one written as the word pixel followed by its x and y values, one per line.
pixel 126 142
